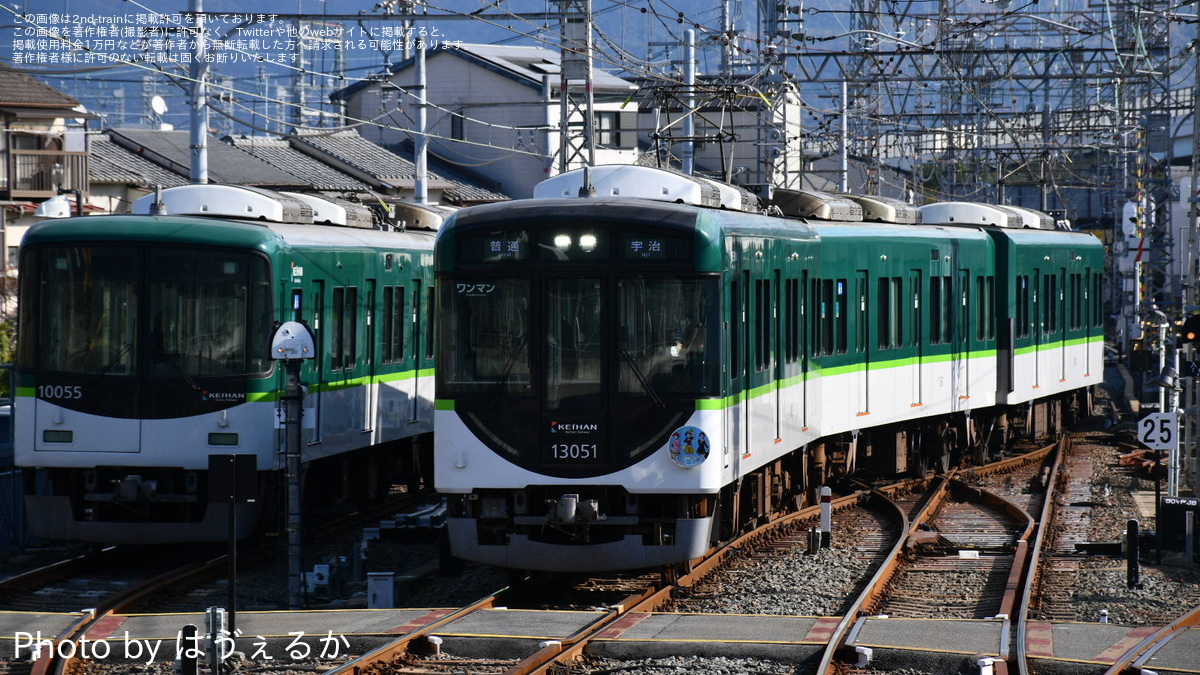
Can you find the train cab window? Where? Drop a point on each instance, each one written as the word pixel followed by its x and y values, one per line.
pixel 128 310
pixel 485 345
pixel 573 343
pixel 666 336
pixel 208 311
pixel 89 323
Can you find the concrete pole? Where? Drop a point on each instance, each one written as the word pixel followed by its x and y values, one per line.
pixel 198 135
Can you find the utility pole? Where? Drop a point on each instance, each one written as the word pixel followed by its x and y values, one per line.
pixel 576 65
pixel 198 135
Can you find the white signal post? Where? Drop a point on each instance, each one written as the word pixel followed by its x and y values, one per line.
pixel 292 344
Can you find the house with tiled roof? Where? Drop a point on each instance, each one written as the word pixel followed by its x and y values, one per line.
pixel 227 164
pixel 119 177
pixel 386 171
pixel 492 108
pixel 43 150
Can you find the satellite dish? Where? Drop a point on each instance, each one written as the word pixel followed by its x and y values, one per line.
pixel 158 105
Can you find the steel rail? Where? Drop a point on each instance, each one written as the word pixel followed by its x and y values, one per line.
pixel 1132 660
pixel 377 659
pixel 1021 658
pixel 557 654
pixel 878 580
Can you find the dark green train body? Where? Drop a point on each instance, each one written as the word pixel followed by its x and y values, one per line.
pixel 626 378
pixel 145 348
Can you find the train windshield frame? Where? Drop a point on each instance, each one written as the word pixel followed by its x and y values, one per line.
pixel 146 310
pixel 577 348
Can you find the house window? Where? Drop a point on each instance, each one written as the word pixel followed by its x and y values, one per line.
pixel 616 129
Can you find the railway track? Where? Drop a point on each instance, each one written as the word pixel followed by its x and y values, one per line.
pixel 991 511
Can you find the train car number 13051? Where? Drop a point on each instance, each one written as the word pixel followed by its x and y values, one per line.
pixel 574 452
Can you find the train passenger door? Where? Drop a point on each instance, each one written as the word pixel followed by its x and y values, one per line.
pixel 370 404
pixel 318 311
pixel 764 407
pixel 802 329
pixel 1039 327
pixel 414 409
pixel 861 338
pixel 962 339
pixel 916 325
pixel 777 353
pixel 737 415
pixel 1064 321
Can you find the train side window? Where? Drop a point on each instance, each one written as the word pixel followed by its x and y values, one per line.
pixel 791 328
pixel 350 328
pixel 1077 302
pixel 915 317
pixel 1097 306
pixel 827 316
pixel 297 304
pixel 891 312
pixel 883 303
pixel 815 314
pixel 985 312
pixel 1050 306
pixel 429 300
pixel 861 324
pixel 343 352
pixel 393 324
pixel 841 314
pixel 1023 304
pixel 735 335
pixel 764 310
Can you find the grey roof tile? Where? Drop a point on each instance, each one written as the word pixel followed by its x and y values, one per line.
pixel 226 163
pixel 18 88
pixel 110 163
pixel 280 154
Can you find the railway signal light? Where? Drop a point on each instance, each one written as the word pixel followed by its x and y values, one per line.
pixel 1190 331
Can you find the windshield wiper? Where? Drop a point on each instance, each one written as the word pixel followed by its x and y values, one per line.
pixel 508 366
pixel 112 363
pixel 177 361
pixel 641 377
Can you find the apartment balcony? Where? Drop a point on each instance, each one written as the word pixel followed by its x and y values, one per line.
pixel 38 174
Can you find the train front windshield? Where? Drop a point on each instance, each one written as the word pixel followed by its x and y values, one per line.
pixel 155 312
pixel 572 364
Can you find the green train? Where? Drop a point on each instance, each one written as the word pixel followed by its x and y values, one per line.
pixel 144 348
pixel 629 376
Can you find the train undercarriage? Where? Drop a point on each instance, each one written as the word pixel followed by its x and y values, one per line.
pixel 608 517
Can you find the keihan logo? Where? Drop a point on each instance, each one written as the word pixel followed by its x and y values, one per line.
pixel 556 428
pixel 221 396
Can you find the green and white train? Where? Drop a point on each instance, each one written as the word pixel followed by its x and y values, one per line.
pixel 144 348
pixel 625 378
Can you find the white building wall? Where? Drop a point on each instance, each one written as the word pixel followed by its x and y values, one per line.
pixel 510 130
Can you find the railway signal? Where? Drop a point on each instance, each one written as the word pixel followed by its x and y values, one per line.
pixel 1189 332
